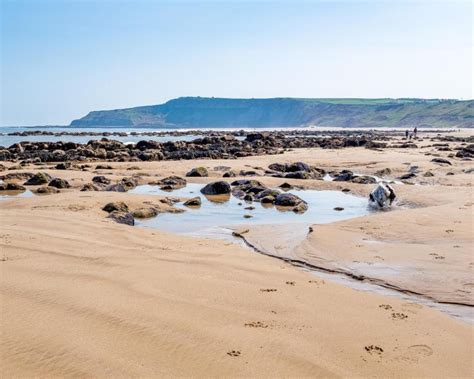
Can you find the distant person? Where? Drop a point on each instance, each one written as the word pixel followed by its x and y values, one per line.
pixel 406 134
pixel 415 131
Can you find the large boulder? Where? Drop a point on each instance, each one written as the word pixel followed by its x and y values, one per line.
pixel 382 196
pixel 216 188
pixel 198 172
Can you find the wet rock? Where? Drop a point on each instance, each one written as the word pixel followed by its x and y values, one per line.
pixel 363 179
pixel 17 176
pixel 115 206
pixel 103 167
pixel 344 176
pixel 198 172
pixel 248 216
pixel 267 192
pixel 101 179
pixel 90 187
pixel 289 200
pixel 172 182
pixel 298 175
pixel 383 172
pixel 248 173
pixel 145 212
pixel 129 183
pixel 118 187
pixel 285 186
pixel 122 217
pixel 229 174
pixel 248 198
pixel 382 196
pixel 407 176
pixel 267 199
pixel 63 166
pixel 339 209
pixel 194 202
pixel 216 188
pixel 46 190
pixel 59 183
pixel 11 187
pixel 346 190
pixel 428 174
pixel 441 161
pixel 38 179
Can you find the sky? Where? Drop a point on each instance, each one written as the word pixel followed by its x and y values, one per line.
pixel 63 59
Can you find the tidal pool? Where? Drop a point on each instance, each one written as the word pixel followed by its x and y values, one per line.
pixel 219 213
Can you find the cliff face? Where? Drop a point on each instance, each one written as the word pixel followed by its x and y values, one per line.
pixel 199 112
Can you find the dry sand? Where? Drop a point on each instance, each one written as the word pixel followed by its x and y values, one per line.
pixel 83 296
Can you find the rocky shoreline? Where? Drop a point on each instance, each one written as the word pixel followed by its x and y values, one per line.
pixel 215 145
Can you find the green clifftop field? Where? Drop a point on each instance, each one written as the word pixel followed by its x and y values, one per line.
pixel 200 112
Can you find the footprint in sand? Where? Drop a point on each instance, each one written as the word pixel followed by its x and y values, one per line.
pixel 268 289
pixel 234 353
pixel 256 324
pixel 449 231
pixel 399 316
pixel 373 349
pixel 291 283
pixel 416 352
pixel 385 306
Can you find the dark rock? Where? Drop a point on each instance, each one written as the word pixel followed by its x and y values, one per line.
pixel 103 167
pixel 38 179
pixel 17 176
pixel 11 187
pixel 172 182
pixel 216 188
pixel 344 176
pixel 286 186
pixel 115 206
pixel 198 172
pixel 407 176
pixel 383 172
pixel 229 174
pixel 339 209
pixel 46 190
pixel 441 161
pixel 293 201
pixel 194 202
pixel 119 187
pixel 122 217
pixel 145 212
pixel 63 166
pixel 129 183
pixel 90 187
pixel 59 183
pixel 428 174
pixel 101 179
pixel 363 179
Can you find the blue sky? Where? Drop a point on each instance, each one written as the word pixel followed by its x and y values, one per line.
pixel 62 59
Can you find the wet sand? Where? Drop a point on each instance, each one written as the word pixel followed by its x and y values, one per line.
pixel 85 296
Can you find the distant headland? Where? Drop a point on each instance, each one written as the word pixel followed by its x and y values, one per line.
pixel 202 112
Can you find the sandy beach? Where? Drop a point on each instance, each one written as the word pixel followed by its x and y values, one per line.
pixel 84 296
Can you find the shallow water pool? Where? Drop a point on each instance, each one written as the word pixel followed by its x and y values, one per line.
pixel 219 213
